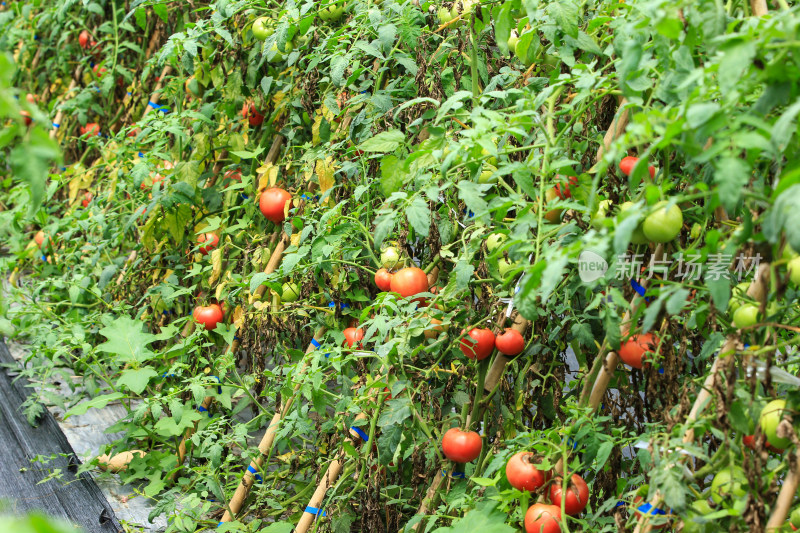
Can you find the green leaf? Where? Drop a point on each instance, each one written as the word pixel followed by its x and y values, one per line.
pixel 127 340
pixel 97 402
pixel 784 216
pixel 502 26
pixel 384 224
pixel 257 280
pixel 385 141
pixel 463 271
pixel 278 527
pixel 565 14
pixel 419 216
pixel 391 175
pixel 486 518
pixel 136 379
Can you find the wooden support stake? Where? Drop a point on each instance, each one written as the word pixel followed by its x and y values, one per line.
pixel 267 440
pixel 330 477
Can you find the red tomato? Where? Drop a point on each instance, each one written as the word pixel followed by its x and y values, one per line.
pixel 208 316
pixel 39 238
pixel 211 239
pixel 523 474
pixel 83 39
pixel 353 336
pixel 577 494
pixel 249 111
pixel 134 132
pixel 543 518
pixel 637 501
pixel 26 117
pixel 461 446
pixel 634 349
pixel 383 279
pixel 31 98
pixel 273 204
pixel 483 344
pixel 87 198
pixel 750 442
pixel 98 71
pixel 566 193
pixel 409 281
pixel 627 164
pixel 511 342
pixel 91 129
pixel 233 175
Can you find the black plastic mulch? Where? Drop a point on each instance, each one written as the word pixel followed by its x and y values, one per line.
pixel 76 499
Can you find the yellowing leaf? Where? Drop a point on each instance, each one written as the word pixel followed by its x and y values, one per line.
pixel 325 170
pixel 216 265
pixel 81 180
pixel 238 316
pixel 315 130
pixel 267 176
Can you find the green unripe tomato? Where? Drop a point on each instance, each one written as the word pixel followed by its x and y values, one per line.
pixel 788 253
pixel 263 28
pixel 505 266
pixel 391 258
pixel 745 316
pixel 771 416
pixel 290 292
pixel 794 518
pixel 728 484
pixel 494 241
pixel 513 39
pixel 333 12
pixel 794 270
pixel 487 174
pixel 664 223
pixel 738 294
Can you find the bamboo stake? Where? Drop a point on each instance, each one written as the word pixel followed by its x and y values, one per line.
pixel 131 259
pixel 615 130
pixel 267 441
pixel 330 477
pixel 60 113
pixel 612 359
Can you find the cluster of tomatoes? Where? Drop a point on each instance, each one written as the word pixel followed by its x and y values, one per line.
pixel 524 473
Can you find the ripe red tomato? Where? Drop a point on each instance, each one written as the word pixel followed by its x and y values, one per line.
pixel 353 336
pixel 211 239
pixel 461 446
pixel 543 518
pixel 577 494
pixel 249 111
pixel 409 281
pixel 627 164
pixel 90 129
pixel 523 474
pixel 383 279
pixel 39 238
pixel 750 442
pixel 99 71
pixel 26 117
pixel 637 501
pixel 634 349
pixel 31 98
pixel 87 198
pixel 209 316
pixel 566 193
pixel 273 204
pixel 482 346
pixel 83 39
pixel 510 343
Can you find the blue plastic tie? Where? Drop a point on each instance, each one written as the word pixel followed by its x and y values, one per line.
pixel 141 154
pixel 255 473
pixel 202 409
pixel 457 475
pixel 620 504
pixel 360 433
pixel 639 289
pixel 129 93
pixel 648 509
pixel 162 108
pixel 165 375
pixel 219 387
pixel 315 511
pixel 315 343
pixel 56 125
